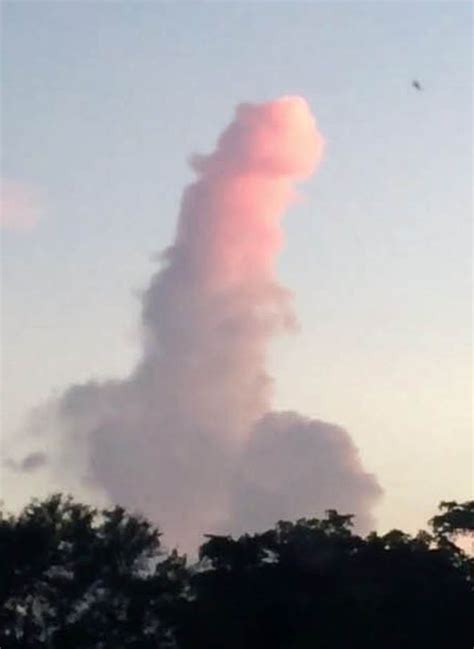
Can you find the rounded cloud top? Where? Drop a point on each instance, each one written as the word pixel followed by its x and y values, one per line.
pixel 276 138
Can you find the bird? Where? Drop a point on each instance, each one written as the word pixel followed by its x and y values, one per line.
pixel 416 84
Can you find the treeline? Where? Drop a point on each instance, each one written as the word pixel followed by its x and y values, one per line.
pixel 72 577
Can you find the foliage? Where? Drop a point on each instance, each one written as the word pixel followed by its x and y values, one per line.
pixel 72 577
pixel 457 518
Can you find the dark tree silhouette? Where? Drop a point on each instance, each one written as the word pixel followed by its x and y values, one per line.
pixel 456 519
pixel 315 584
pixel 72 577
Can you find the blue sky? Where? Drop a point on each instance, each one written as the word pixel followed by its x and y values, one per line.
pixel 102 105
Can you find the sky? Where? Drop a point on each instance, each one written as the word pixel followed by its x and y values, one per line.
pixel 102 106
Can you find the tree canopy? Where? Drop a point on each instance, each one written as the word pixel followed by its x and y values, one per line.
pixel 74 577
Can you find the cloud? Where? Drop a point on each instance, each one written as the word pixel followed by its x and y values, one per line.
pixel 294 467
pixel 20 206
pixel 187 438
pixel 31 462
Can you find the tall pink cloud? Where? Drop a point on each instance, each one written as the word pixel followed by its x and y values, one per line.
pixel 181 438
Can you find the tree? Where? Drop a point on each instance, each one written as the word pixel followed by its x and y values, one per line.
pixel 314 583
pixel 73 577
pixel 456 519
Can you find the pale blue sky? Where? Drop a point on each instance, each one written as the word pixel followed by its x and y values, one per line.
pixel 102 105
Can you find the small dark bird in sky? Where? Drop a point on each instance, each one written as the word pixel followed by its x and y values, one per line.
pixel 416 84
